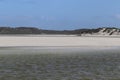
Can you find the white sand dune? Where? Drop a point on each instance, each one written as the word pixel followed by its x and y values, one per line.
pixel 58 41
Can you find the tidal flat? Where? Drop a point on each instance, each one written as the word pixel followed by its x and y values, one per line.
pixel 28 63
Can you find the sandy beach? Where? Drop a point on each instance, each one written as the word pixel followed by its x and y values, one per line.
pixel 53 57
pixel 51 41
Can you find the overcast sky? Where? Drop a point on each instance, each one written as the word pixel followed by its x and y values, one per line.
pixel 60 14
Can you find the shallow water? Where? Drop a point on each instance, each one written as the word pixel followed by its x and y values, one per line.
pixel 89 65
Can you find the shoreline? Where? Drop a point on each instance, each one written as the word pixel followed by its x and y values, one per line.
pixel 57 50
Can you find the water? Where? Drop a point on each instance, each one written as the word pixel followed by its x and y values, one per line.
pixel 98 65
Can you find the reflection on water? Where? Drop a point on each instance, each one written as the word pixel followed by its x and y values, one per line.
pixel 75 66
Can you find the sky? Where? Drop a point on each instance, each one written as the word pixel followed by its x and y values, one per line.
pixel 60 14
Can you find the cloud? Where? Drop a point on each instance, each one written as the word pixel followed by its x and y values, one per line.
pixel 117 16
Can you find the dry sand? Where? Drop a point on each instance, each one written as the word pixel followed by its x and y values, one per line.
pixel 45 41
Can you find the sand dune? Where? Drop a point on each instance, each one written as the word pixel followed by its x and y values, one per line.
pixel 58 41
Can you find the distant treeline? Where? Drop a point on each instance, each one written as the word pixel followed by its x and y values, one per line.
pixel 33 30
